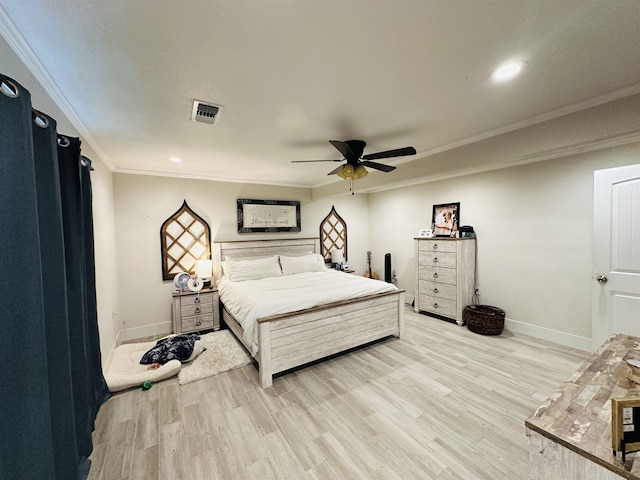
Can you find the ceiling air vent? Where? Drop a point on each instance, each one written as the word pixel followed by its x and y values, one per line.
pixel 205 112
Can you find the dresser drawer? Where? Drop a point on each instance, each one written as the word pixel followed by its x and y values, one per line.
pixel 197 322
pixel 437 259
pixel 438 290
pixel 437 246
pixel 438 274
pixel 440 306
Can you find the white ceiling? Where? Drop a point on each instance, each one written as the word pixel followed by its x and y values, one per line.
pixel 292 75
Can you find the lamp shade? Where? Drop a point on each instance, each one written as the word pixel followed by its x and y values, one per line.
pixel 204 268
pixel 336 256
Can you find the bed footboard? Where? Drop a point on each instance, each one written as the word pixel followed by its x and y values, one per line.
pixel 291 340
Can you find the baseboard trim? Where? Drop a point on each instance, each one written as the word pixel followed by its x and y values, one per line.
pixel 118 340
pixel 555 336
pixel 155 329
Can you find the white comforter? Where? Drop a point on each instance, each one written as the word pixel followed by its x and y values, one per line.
pixel 249 300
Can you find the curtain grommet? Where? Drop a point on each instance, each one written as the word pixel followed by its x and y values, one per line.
pixel 9 88
pixel 40 120
pixel 63 141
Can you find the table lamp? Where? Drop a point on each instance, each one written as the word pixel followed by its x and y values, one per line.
pixel 204 270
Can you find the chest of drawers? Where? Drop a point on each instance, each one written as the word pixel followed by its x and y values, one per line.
pixel 444 276
pixel 195 311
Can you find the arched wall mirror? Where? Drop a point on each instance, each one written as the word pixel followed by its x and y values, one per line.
pixel 333 235
pixel 185 239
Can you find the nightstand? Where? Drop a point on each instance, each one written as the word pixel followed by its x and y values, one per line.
pixel 195 311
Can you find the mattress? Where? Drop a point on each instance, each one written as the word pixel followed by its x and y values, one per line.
pixel 250 300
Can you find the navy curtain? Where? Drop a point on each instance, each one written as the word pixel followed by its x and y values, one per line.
pixel 51 382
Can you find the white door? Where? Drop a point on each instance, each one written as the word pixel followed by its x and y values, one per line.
pixel 616 253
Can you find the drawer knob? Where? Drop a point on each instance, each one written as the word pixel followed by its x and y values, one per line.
pixel 435 290
pixel 198 322
pixel 435 246
pixel 197 300
pixel 435 259
pixel 197 309
pixel 435 275
pixel 435 305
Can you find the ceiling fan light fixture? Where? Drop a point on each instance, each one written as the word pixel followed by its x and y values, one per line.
pixel 346 172
pixel 360 172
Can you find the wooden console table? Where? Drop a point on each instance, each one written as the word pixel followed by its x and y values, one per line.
pixel 570 433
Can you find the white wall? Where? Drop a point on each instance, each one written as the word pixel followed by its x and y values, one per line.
pixel 105 258
pixel 142 205
pixel 534 225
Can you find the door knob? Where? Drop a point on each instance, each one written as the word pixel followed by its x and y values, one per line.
pixel 602 279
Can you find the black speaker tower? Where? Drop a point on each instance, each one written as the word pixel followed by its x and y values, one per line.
pixel 387 268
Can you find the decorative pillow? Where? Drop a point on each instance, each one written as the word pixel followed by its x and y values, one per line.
pixel 306 263
pixel 241 270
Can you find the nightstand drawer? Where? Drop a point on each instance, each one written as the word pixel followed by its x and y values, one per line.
pixel 195 300
pixel 197 322
pixel 197 309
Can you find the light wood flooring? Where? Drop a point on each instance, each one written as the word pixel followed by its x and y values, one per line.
pixel 443 403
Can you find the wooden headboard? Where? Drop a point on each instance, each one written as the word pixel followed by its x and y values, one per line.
pixel 251 249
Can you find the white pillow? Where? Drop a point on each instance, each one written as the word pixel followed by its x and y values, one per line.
pixel 306 263
pixel 241 270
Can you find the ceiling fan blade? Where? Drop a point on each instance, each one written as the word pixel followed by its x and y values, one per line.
pixel 378 166
pixel 333 172
pixel 398 152
pixel 351 149
pixel 305 161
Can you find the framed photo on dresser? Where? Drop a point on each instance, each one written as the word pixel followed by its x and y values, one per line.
pixel 445 219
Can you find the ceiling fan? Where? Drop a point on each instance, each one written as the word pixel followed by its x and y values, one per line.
pixel 352 151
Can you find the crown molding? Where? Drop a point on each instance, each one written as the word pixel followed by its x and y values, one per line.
pixel 208 178
pixel 565 151
pixel 528 122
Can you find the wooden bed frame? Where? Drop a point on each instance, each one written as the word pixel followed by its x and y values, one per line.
pixel 293 339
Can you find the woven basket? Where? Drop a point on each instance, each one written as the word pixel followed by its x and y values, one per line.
pixel 484 319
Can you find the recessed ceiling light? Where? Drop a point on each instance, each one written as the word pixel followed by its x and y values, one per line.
pixel 175 159
pixel 507 71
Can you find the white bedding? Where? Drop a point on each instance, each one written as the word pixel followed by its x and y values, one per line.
pixel 252 299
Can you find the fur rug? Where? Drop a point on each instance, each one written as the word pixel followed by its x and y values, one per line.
pixel 223 353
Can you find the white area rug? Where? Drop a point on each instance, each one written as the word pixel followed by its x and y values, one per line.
pixel 223 353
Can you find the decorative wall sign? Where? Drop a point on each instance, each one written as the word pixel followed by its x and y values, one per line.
pixel 256 216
